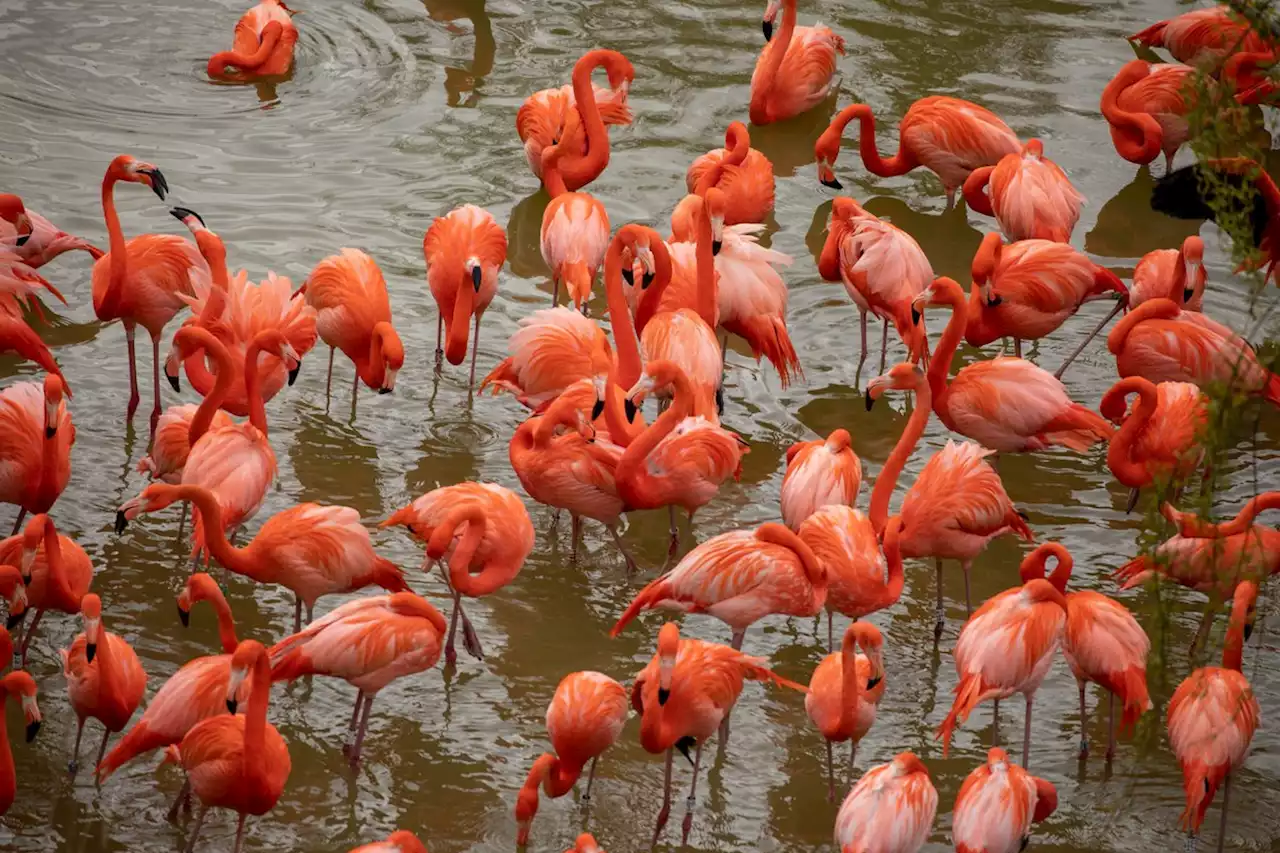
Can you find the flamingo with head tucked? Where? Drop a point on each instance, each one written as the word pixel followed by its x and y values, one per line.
pixel 1146 106
pixel 796 69
pixel 890 809
pixel 1028 194
pixel 745 175
pixel 861 577
pixel 1203 37
pixel 997 804
pixel 56 570
pixel 1159 437
pixel 264 40
pixel 819 472
pixel 36 435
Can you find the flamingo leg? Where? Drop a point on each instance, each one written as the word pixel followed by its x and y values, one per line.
pixel 555 290
pixel 674 547
pixel 665 811
pixel 239 833
pixel 1111 725
pixel 692 801
pixel 74 764
pixel 102 750
pixel 439 335
pixel 863 357
pixel 1085 342
pixel 884 345
pixel 355 393
pixel 297 613
pixel 155 382
pixel 853 758
pixel 1197 643
pixel 184 796
pixel 1084 720
pixel 940 613
pixel 1222 825
pixel 831 779
pixel 450 653
pixel 968 607
pixel 1133 500
pixel 17 524
pixel 349 740
pixel 617 538
pixel 951 197
pixel 328 379
pixel 830 633
pixel 576 535
pixel 354 757
pixel 195 828
pixel 475 348
pixel 28 634
pixel 736 645
pixel 1168 167
pixel 995 723
pixel 1017 347
pixel 591 778
pixel 133 372
pixel 182 521
pixel 1026 738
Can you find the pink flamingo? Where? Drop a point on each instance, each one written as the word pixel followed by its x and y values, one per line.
pixel 1146 106
pixel 844 692
pixel 1159 438
pixel 21 687
pixel 1176 274
pixel 35 453
pixel 861 579
pixel 1028 194
pixel 264 40
pixel 400 841
pixel 1191 526
pixel 796 70
pixel 745 175
pixel 33 238
pixel 1203 37
pixel 552 349
pixel 56 570
pixel 819 472
pixel 890 809
pixel 997 804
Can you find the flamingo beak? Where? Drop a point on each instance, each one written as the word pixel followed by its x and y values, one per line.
pixel 90 651
pixel 293 374
pixel 631 408
pixel 476 275
pixel 663 695
pixel 231 706
pixel 33 729
pixel 158 184
pixel 597 410
pixel 14 620
pixel 122 522
pixel 183 213
pixel 184 616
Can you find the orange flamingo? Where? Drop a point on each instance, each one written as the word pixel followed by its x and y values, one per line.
pixel 1203 37
pixel 585 717
pixel 400 841
pixel 1191 526
pixel 819 473
pixel 997 804
pixel 14 593
pixel 353 314
pixel 844 692
pixel 890 809
pixel 1146 106
pixel 104 678
pixel 1005 404
pixel 585 843
pixel 369 643
pixel 141 282
pixel 882 268
pixel 1028 194
pixel 21 687
pixel 861 579
pixel 744 175
pixel 484 531
pixel 796 70
pixel 236 761
pixel 1006 647
pixel 552 349
pixel 17 337
pixel 956 505
pixel 34 238
pixel 264 40
pixel 1212 717
pixel 56 570
pixel 1159 438
pixel 1176 274
pixel 683 695
pixel 465 249
pixel 948 136
pixel 16 225
pixel 36 435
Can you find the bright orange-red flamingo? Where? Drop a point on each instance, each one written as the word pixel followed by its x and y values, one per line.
pixel 882 268
pixel 890 809
pixel 36 435
pixel 683 695
pixel 105 680
pixel 354 315
pixel 1007 647
pixel 21 687
pixel 264 41
pixel 1212 717
pixel 484 532
pixel 465 249
pixel 369 643
pixel 958 503
pixel 1146 105
pixel 997 804
pixel 17 337
pixel 552 349
pixel 1160 437
pixel 236 761
pixel 1163 343
pixel 57 571
pixel 14 593
pixel 1028 289
pixel 844 692
pixel 16 225
pixel 861 578
pixel 1192 526
pixel 947 136
pixel 1203 37
pixel 1028 194
pixel 197 691
pixel 1006 404
pixel 796 70
pixel 585 717
pixel 1176 274
pixel 33 238
pixel 141 282
pixel 819 472
pixel 745 175
pixel 400 841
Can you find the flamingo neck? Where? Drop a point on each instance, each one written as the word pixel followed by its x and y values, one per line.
pixel 1138 137
pixel 1233 647
pixel 625 342
pixel 53 559
pixel 464 300
pixel 630 466
pixel 233 559
pixel 563 411
pixel 774 52
pixel 117 261
pixel 940 363
pixel 621 431
pixel 222 382
pixel 850 695
pixel 255 722
pixel 1120 451
pixel 899 164
pixel 893 556
pixel 888 479
pixel 708 292
pixel 460 577
pixel 219 62
pixel 584 169
pixel 253 387
pixel 1152 309
pixel 226 624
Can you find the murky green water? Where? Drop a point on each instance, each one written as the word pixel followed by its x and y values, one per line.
pixel 396 113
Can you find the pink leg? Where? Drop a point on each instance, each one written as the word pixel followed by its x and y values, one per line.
pixel 968 607
pixel 1222 826
pixel 195 828
pixel 575 536
pixel 1084 724
pixel 133 372
pixel 940 615
pixel 349 741
pixel 74 764
pixel 328 380
pixel 692 801
pixel 665 811
pixel 184 796
pixel 475 348
pixel 1111 725
pixel 239 833
pixel 591 778
pixel 155 382
pixel 995 723
pixel 863 357
pixel 617 538
pixel 17 524
pixel 450 653
pixel 364 724
pixel 1026 738
pixel 28 634
pixel 831 778
pixel 884 345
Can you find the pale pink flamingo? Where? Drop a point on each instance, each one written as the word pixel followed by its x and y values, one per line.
pixel 745 175
pixel 890 810
pixel 1028 194
pixel 844 692
pixel 1176 274
pixel 464 249
pixel 1146 106
pixel 796 70
pixel 34 238
pixel 997 804
pixel 819 472
pixel 861 578
pixel 56 570
pixel 36 435
pixel 1159 437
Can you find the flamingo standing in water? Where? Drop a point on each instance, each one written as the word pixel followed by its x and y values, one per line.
pixel 17 337
pixel 745 176
pixel 1203 37
pixel 56 570
pixel 142 281
pixel 1192 526
pixel 1212 717
pixel 844 692
pixel 464 249
pixel 1146 106
pixel 796 70
pixel 947 136
pixel 997 804
pixel 891 808
pixel 585 717
pixel 20 687
pixel 33 238
pixel 36 435
pixel 264 40
pixel 1028 194
pixel 1160 437
pixel 484 531
pixel 552 349
pixel 1176 274
pixel 861 579
pixel 819 473
pixel 400 841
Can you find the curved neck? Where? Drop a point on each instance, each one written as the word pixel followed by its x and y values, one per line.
pixel 219 62
pixel 976 193
pixel 784 537
pixel 226 623
pixel 49 459
pixel 464 300
pixel 1152 309
pixel 621 431
pixel 888 478
pixel 650 302
pixel 893 556
pixel 563 411
pixel 775 52
pixel 109 675
pixel 117 261
pixel 376 364
pixel 255 718
pixel 708 297
pixel 234 559
pixel 850 695
pixel 253 387
pixel 583 169
pixel 625 342
pixel 947 292
pixel 460 577
pixel 901 162
pixel 1138 137
pixel 1233 647
pixel 53 558
pixel 1243 520
pixel 1120 451
pixel 222 383
pixel 681 407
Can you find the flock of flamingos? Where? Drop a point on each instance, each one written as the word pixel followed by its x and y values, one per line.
pixel 586 447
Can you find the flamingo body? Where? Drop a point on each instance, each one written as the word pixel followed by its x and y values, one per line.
pixel 819 472
pixel 890 810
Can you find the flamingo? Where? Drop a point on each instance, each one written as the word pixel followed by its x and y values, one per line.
pixel 56 570
pixel 1159 437
pixel 369 643
pixel 1203 37
pixel 819 473
pixel 683 695
pixel 20 687
pixel 36 435
pixel 464 249
pixel 585 717
pixel 485 532
pixel 14 593
pixel 17 337
pixel 882 268
pixel 264 40
pixel 16 225
pixel 890 810
pixel 744 174
pixel 1146 106
pixel 552 349
pixel 236 761
pixel 105 680
pixel 400 841
pixel 956 505
pixel 585 843
pixel 796 70
pixel 844 692
pixel 1176 274
pixel 1212 717
pixel 1006 404
pixel 1028 194
pixel 948 136
pixel 861 579
pixel 1191 526
pixel 1007 647
pixel 353 313
pixel 33 238
pixel 997 804
pixel 141 282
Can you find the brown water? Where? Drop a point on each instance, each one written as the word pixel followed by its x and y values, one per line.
pixel 396 113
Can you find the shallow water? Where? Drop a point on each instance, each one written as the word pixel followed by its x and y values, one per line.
pixel 398 111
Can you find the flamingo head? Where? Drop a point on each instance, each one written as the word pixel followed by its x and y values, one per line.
pixel 901 377
pixel 91 614
pixel 20 685
pixel 32 537
pixel 601 385
pixel 668 648
pixel 871 641
pixel 17 599
pixel 54 388
pixel 1246 599
pixel 392 349
pixel 839 441
pixel 1193 267
pixel 127 168
pixel 13 211
pixel 906 763
pixel 246 656
pixel 475 272
pixel 770 15
pixel 199 587
pixel 716 202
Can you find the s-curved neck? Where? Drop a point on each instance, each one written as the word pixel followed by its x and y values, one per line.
pixel 222 383
pixel 117 261
pixel 899 164
pixel 1152 309
pixel 888 478
pixel 1120 451
pixel 238 560
pixel 1138 137
pixel 625 342
pixel 583 169
pixel 226 622
pixel 460 577
pixel 947 292
pixel 253 381
pixel 248 62
pixel 255 722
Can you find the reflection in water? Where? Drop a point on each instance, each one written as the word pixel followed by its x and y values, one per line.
pixel 789 144
pixel 947 238
pixel 460 81
pixel 333 461
pixel 1127 227
pixel 524 235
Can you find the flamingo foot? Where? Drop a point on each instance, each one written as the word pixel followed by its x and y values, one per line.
pixel 1084 749
pixel 471 640
pixel 686 824
pixel 450 654
pixel 662 823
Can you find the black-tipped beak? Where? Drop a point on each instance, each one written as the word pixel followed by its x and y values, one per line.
pixel 767 26
pixel 174 382
pixel 715 246
pixel 872 682
pixel 159 185
pixel 121 522
pixel 183 212
pixel 597 410
pixel 50 431
pixel 663 695
pixel 231 705
pixel 90 651
pixel 629 277
pixel 915 316
pixel 384 390
pixel 631 408
pixel 1248 631
pixel 833 183
pixel 1187 295
pixel 184 616
pixel 22 241
pixel 994 301
pixel 14 620
pixel 293 374
pixel 684 744
pixel 647 280
pixel 476 274
pixel 33 729
pixel 871 401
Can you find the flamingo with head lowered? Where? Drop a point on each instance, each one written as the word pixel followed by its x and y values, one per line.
pixel 1159 437
pixel 264 40
pixel 33 238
